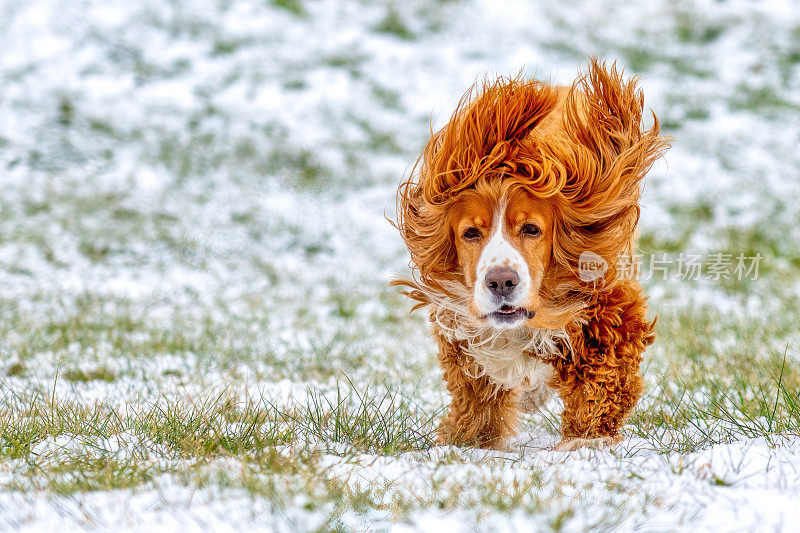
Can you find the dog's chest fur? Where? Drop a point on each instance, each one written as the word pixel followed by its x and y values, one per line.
pixel 506 357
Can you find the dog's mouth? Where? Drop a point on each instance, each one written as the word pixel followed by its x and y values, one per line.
pixel 508 314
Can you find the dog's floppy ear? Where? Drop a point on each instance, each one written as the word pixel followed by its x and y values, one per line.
pixel 609 154
pixel 611 110
pixel 603 116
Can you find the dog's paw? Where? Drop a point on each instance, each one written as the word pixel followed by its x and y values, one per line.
pixel 596 443
pixel 448 437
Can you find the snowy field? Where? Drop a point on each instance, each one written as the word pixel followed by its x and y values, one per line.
pixel 195 326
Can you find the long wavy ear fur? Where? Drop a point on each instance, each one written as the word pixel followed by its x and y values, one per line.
pixel 602 159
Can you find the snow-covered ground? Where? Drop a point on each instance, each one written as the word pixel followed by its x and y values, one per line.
pixel 193 203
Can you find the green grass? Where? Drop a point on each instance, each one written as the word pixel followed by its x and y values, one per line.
pixel 172 368
pixel 766 100
pixel 380 423
pixel 720 381
pixel 394 24
pixel 204 428
pixel 100 373
pixel 714 377
pixel 293 6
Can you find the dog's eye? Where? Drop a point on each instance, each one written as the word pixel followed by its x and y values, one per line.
pixel 471 234
pixel 531 230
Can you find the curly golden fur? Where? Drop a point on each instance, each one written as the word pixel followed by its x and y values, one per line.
pixel 583 150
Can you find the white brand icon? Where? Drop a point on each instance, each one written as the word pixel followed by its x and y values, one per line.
pixel 591 266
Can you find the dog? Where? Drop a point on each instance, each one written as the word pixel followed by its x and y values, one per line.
pixel 520 218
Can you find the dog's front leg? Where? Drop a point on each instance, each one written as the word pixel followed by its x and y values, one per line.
pixel 480 413
pixel 599 380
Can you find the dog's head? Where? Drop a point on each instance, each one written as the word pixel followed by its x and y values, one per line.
pixel 524 179
pixel 503 245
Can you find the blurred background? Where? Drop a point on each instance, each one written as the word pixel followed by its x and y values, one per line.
pixel 193 194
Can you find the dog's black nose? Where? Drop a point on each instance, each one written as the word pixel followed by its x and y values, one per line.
pixel 502 281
